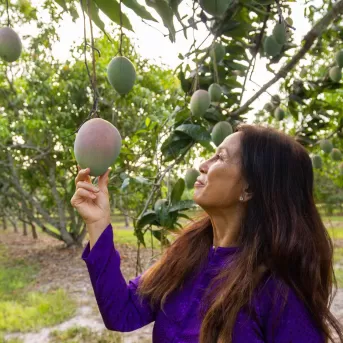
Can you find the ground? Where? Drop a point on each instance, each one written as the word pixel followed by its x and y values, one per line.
pixel 64 268
pixel 60 267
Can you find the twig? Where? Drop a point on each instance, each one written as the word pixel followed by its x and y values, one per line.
pixel 155 28
pixel 309 39
pixel 253 59
pixel 121 29
pixel 185 27
pixel 281 18
pixel 8 15
pixel 93 47
pixel 93 81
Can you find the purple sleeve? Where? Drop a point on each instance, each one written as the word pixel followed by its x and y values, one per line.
pixel 118 302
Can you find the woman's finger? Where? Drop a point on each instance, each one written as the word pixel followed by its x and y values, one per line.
pixel 103 180
pixel 84 193
pixel 83 175
pixel 88 186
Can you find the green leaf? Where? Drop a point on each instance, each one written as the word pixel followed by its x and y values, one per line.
pixel 138 9
pixel 159 236
pixel 208 146
pixel 148 218
pixel 163 217
pixel 94 14
pixel 140 236
pixel 166 13
pixel 177 191
pixel 196 132
pixel 182 205
pixel 175 145
pixel 62 3
pixel 236 66
pixel 112 9
pixel 213 116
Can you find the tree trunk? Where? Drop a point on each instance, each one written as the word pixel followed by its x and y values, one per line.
pixel 34 232
pixel 4 223
pixel 24 227
pixel 127 222
pixel 81 236
pixel 14 224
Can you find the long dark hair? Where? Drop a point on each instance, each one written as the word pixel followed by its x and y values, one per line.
pixel 281 232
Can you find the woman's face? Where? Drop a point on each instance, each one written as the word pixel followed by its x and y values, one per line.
pixel 221 182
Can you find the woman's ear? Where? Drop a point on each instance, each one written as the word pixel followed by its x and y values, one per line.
pixel 248 194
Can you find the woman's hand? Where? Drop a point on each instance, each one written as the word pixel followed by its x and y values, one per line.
pixel 92 202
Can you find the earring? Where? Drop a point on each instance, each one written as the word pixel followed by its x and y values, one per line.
pixel 241 198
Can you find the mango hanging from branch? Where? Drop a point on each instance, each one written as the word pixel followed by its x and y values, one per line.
pixel 190 177
pixel 200 102
pixel 121 74
pixel 10 45
pixel 220 131
pixel 335 74
pixel 215 92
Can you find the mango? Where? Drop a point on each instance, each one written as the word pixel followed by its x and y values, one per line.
pixel 317 162
pixel 218 51
pixel 97 145
pixel 279 33
pixel 121 74
pixel 271 46
pixel 200 102
pixel 269 107
pixel 215 92
pixel 220 131
pixel 335 74
pixel 336 155
pixel 10 45
pixel 190 177
pixel 279 113
pixel 326 146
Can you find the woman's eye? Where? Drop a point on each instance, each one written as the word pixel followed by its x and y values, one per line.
pixel 219 157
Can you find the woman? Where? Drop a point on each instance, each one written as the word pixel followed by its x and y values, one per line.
pixel 258 268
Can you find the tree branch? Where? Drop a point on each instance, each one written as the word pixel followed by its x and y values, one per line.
pixel 309 39
pixel 56 196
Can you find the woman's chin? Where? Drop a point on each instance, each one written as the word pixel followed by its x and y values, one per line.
pixel 197 196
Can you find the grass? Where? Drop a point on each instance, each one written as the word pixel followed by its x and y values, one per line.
pixel 21 310
pixel 84 335
pixel 122 236
pixel 35 310
pixel 332 218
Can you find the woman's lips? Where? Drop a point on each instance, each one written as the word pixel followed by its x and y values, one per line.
pixel 198 184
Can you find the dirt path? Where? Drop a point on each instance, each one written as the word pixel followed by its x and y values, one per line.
pixel 64 268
